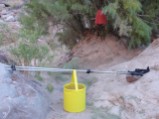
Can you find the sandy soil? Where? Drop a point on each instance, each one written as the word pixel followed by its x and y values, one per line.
pixel 94 51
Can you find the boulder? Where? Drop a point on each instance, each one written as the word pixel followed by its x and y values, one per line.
pixel 13 3
pixel 21 98
pixel 10 18
pixel 4 12
pixel 2 6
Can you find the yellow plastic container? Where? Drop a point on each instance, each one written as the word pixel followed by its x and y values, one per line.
pixel 74 95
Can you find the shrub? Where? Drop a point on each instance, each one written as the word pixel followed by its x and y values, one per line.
pixel 7 36
pixel 133 19
pixel 50 87
pixel 68 13
pixel 26 52
pixel 124 14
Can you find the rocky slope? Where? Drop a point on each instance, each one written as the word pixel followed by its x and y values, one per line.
pixel 138 100
pixel 9 11
pixel 21 98
pixel 110 96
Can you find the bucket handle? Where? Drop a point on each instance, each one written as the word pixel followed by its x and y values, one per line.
pixel 74 79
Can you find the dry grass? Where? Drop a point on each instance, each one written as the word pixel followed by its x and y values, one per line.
pixel 7 36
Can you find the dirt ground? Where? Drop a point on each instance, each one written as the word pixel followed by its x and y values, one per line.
pixel 107 97
pixel 112 97
pixel 94 51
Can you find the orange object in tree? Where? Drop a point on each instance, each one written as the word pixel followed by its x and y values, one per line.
pixel 101 18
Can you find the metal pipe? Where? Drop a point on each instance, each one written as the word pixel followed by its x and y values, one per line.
pixel 46 69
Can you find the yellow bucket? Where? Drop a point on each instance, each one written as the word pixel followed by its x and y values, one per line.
pixel 74 95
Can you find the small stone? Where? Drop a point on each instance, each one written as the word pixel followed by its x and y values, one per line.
pixel 2 6
pixel 10 19
pixel 115 110
pixel 4 12
pixel 4 16
pixel 14 3
pixel 1 21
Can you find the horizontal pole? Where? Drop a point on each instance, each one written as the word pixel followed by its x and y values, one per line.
pixel 46 69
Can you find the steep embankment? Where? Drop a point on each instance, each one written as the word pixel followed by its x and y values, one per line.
pixel 138 100
pixel 94 51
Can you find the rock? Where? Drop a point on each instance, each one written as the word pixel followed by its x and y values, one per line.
pixel 10 19
pixel 3 16
pixel 21 98
pixel 14 3
pixel 1 21
pixel 2 6
pixel 115 110
pixel 10 9
pixel 4 12
pixel 3 59
pixel 138 100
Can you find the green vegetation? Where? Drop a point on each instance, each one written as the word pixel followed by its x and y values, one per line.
pixel 38 76
pixel 73 64
pixel 69 14
pixel 26 52
pixel 50 87
pixel 134 19
pixel 7 36
pixel 127 22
